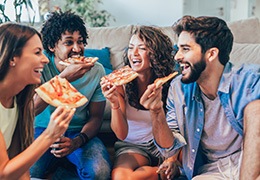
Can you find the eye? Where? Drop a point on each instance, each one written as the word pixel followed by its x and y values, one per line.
pixel 80 41
pixel 38 52
pixel 142 48
pixel 68 43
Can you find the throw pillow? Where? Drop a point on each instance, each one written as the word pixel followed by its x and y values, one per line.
pixel 103 57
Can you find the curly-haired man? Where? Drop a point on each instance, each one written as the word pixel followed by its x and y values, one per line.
pixel 79 151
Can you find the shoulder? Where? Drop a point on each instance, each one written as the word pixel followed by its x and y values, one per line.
pixel 246 71
pixel 98 68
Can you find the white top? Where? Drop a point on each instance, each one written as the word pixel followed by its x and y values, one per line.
pixel 8 121
pixel 139 125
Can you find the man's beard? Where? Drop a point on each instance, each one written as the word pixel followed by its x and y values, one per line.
pixel 195 71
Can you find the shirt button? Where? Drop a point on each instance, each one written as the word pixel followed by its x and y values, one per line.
pixel 201 110
pixel 198 130
pixel 193 150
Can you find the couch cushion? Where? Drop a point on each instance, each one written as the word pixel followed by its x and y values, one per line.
pixel 103 57
pixel 245 53
pixel 246 31
pixel 116 38
pixel 169 32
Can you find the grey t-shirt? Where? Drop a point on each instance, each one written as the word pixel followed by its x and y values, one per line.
pixel 219 139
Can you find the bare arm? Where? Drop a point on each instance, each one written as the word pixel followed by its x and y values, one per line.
pixel 39 104
pixel 250 166
pixel 96 112
pixel 115 95
pixel 16 167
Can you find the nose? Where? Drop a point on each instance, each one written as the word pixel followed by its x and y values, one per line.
pixel 135 51
pixel 178 56
pixel 76 48
pixel 45 60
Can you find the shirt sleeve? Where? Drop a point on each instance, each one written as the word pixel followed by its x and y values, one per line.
pixel 178 142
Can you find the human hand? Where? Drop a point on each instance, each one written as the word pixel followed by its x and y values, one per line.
pixel 76 71
pixel 63 146
pixel 109 91
pixel 152 98
pixel 169 169
pixel 59 121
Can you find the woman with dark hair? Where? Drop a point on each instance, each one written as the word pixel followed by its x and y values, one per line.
pixel 150 55
pixel 21 63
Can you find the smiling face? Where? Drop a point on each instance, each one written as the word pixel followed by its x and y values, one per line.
pixel 138 55
pixel 190 58
pixel 31 62
pixel 70 44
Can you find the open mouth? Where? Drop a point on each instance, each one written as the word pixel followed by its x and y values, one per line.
pixel 184 67
pixel 38 70
pixel 136 61
pixel 75 55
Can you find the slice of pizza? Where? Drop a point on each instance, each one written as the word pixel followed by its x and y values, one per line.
pixel 121 76
pixel 59 92
pixel 161 81
pixel 78 60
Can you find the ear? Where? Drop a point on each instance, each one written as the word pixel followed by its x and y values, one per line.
pixel 13 61
pixel 51 49
pixel 212 53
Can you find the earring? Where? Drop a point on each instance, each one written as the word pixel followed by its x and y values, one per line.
pixel 13 64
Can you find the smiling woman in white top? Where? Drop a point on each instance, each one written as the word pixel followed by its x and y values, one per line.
pixel 149 53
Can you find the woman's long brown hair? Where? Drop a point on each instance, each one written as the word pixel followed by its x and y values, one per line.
pixel 13 38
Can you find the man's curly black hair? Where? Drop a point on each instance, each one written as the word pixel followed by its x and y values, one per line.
pixel 160 50
pixel 58 23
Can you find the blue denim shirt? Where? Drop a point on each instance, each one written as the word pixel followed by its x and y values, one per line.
pixel 238 86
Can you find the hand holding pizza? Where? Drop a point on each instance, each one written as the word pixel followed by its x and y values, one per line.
pixel 59 122
pixel 109 90
pixel 153 103
pixel 151 99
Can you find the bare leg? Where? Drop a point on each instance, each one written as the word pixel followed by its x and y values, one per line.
pixel 131 166
pixel 250 167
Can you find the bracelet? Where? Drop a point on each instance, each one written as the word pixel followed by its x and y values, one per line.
pixel 115 108
pixel 84 138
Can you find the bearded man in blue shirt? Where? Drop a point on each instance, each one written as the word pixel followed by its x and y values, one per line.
pixel 209 105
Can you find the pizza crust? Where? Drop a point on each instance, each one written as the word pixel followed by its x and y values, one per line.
pixel 161 81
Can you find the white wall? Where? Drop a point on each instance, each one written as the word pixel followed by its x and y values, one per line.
pixel 146 12
pixel 239 9
pixel 162 12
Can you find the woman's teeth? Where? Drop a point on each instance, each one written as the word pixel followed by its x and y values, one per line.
pixel 39 70
pixel 136 61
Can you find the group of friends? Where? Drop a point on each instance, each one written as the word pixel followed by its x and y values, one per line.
pixel 204 124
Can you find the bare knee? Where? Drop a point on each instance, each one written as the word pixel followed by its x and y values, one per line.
pixel 119 173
